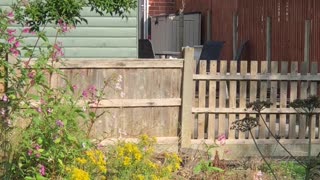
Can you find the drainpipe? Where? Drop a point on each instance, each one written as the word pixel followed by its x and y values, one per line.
pixel 145 18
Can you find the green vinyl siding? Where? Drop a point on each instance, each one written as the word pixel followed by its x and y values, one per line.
pixel 103 37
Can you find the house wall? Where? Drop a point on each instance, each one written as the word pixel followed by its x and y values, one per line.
pixel 161 7
pixel 102 37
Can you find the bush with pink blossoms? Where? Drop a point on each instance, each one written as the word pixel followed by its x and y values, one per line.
pixel 40 127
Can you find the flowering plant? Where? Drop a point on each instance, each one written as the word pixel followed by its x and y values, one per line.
pixel 41 134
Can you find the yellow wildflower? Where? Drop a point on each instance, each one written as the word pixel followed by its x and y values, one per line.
pixel 79 174
pixel 139 177
pixel 126 161
pixel 81 160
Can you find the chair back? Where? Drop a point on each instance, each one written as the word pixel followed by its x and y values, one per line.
pixel 240 50
pixel 145 49
pixel 211 50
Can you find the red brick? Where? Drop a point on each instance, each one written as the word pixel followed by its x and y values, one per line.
pixel 158 7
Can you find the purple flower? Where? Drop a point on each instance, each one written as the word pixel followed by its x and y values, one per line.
pixel 59 123
pixel 10 14
pixel 85 93
pixel 42 170
pixel 31 75
pixel 5 98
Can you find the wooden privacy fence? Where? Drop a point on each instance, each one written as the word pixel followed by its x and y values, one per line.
pixel 147 98
pixel 220 96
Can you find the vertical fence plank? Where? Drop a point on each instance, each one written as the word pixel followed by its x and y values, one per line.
pixel 243 93
pixel 283 100
pixel 253 88
pixel 293 96
pixel 263 97
pixel 202 100
pixel 273 97
pixel 303 95
pixel 212 101
pixel 222 99
pixel 186 109
pixel 232 98
pixel 313 91
pixel 195 100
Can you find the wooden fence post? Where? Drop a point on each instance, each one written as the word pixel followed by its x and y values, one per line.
pixel 187 91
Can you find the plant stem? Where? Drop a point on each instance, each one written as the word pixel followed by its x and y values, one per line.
pixel 255 143
pixel 309 115
pixel 265 123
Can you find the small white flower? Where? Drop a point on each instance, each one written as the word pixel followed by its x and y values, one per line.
pixel 119 79
pixel 122 94
pixel 118 86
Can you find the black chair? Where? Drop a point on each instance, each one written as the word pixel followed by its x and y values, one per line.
pixel 241 50
pixel 211 50
pixel 145 49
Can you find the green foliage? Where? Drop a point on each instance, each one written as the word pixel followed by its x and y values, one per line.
pixel 36 13
pixel 206 167
pixel 290 170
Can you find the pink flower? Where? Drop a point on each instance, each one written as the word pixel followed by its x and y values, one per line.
pixel 49 110
pixel 92 89
pixel 14 51
pixel 59 123
pixel 258 176
pixel 85 94
pixel 29 152
pixel 57 51
pixel 11 31
pixel 10 14
pixel 42 170
pixel 74 87
pixel 28 30
pixel 63 25
pixel 39 110
pixel 222 139
pixel 16 44
pixel 31 75
pixel 37 147
pixel 5 98
pixel 11 39
pixel 3 111
pixel 38 155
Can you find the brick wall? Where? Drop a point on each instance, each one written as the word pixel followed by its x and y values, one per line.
pixel 161 7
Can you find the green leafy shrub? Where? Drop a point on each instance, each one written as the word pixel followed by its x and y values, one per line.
pixel 290 170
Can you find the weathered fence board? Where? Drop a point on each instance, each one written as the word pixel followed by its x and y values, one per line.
pixel 212 101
